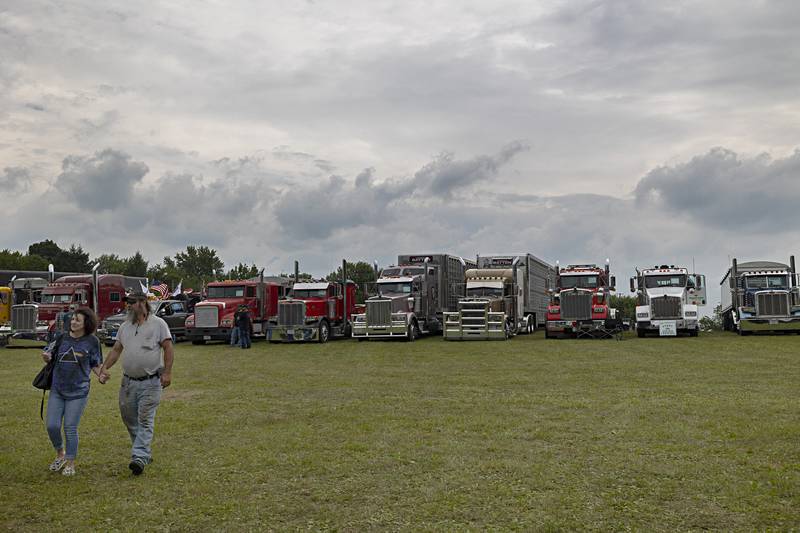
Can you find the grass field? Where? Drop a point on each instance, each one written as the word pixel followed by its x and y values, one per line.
pixel 646 434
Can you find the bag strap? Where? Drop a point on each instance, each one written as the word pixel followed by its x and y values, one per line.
pixel 41 406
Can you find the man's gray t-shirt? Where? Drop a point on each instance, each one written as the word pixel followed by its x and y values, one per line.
pixel 141 346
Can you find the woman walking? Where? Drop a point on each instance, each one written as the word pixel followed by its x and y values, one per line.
pixel 77 354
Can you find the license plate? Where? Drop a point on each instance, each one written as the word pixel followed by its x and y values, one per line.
pixel 290 332
pixel 206 337
pixel 773 320
pixel 667 329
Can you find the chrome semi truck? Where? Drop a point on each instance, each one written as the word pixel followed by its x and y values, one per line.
pixel 507 294
pixel 412 297
pixel 667 301
pixel 760 296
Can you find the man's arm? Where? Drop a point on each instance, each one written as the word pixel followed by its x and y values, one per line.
pixel 169 354
pixel 112 357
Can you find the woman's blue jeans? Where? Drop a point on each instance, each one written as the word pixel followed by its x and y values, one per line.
pixel 66 412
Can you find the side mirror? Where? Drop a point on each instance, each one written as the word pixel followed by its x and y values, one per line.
pixel 613 283
pixel 633 288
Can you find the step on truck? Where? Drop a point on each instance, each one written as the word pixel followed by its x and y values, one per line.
pixel 667 301
pixel 412 297
pixel 213 318
pixel 315 311
pixel 760 296
pixel 506 295
pixel 103 293
pixel 579 305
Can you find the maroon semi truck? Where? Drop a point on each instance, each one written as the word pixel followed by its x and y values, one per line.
pixel 105 294
pixel 213 317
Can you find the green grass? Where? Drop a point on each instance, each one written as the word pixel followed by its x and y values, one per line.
pixel 645 434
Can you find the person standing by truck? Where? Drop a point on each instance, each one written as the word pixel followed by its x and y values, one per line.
pixel 244 324
pixel 77 354
pixel 146 342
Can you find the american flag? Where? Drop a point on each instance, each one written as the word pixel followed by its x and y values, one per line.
pixel 161 289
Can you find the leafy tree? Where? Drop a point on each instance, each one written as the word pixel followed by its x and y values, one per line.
pixel 48 250
pixel 713 322
pixel 361 273
pixel 199 262
pixel 242 271
pixel 74 259
pixel 625 306
pixel 136 265
pixel 111 264
pixel 14 260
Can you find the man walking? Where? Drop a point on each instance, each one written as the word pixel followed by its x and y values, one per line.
pixel 146 343
pixel 244 324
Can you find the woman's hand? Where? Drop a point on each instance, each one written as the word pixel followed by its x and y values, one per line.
pixel 46 356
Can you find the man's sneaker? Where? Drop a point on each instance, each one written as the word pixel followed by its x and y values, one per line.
pixel 57 464
pixel 136 466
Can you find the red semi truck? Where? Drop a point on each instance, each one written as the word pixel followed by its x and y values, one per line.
pixel 579 305
pixel 316 311
pixel 213 317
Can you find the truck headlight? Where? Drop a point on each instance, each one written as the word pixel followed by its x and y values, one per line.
pixel 226 323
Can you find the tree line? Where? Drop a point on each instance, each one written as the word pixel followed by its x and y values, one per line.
pixel 194 267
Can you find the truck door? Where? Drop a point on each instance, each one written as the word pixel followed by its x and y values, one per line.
pixel 696 286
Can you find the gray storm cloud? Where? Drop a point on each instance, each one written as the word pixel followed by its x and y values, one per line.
pixel 15 180
pixel 102 181
pixel 723 189
pixel 334 204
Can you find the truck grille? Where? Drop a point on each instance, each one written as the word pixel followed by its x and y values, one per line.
pixel 665 307
pixel 24 317
pixel 291 313
pixel 772 304
pixel 206 316
pixel 379 312
pixel 474 314
pixel 576 305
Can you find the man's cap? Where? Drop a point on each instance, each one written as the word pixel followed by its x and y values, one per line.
pixel 136 296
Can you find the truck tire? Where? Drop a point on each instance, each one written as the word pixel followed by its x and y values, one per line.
pixel 694 332
pixel 324 332
pixel 412 333
pixel 641 333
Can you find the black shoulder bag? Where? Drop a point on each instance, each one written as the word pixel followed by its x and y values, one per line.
pixel 44 379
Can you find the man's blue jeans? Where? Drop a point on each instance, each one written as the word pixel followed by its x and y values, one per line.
pixel 234 336
pixel 244 337
pixel 138 401
pixel 69 411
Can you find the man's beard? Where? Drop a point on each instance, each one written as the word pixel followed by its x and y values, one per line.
pixel 135 314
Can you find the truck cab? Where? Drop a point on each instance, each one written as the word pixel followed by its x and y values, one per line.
pixel 491 309
pixel 761 296
pixel 316 311
pixel 213 318
pixel 580 302
pixel 668 298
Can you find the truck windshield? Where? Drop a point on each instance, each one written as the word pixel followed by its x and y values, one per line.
pixel 400 287
pixel 666 280
pixel 225 292
pixel 493 292
pixel 56 298
pixel 309 293
pixel 767 282
pixel 582 282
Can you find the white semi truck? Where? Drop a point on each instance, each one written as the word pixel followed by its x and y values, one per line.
pixel 668 298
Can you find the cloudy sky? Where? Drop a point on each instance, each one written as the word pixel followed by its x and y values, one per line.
pixel 647 132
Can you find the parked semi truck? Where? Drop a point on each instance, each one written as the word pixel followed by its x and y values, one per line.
pixel 760 296
pixel 315 311
pixel 213 318
pixel 506 295
pixel 667 301
pixel 579 303
pixel 412 297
